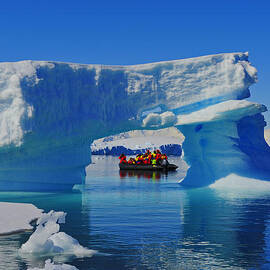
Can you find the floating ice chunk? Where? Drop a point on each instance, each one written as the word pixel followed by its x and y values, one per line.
pixel 67 244
pixel 48 240
pixel 49 265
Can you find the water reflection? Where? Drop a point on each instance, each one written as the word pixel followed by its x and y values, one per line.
pixel 150 175
pixel 231 230
pixel 153 226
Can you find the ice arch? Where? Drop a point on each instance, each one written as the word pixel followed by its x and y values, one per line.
pixel 50 112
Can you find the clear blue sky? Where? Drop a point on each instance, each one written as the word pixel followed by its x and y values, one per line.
pixel 133 32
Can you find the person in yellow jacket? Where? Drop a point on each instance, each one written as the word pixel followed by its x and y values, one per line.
pixel 154 162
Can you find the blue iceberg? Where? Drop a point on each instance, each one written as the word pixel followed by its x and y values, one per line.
pixel 51 112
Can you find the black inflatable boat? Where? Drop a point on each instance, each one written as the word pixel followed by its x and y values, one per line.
pixel 143 167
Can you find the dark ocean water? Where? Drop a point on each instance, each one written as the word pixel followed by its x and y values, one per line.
pixel 149 221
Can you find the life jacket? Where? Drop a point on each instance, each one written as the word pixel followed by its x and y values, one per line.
pixel 140 160
pixel 154 162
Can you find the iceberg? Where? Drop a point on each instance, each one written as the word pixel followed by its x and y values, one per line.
pixel 51 112
pixel 168 140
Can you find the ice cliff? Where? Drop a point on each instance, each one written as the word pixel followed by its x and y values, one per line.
pixel 51 112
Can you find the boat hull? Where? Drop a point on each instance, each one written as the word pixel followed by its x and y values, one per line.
pixel 143 167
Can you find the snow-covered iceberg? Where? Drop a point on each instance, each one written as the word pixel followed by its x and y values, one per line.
pixel 51 112
pixel 168 140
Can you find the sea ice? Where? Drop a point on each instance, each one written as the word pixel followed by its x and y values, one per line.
pixel 49 265
pixel 15 217
pixel 47 239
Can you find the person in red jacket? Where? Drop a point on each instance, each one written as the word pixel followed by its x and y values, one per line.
pixel 158 157
pixel 123 158
pixel 149 158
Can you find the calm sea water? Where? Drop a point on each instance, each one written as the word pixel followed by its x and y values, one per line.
pixel 148 221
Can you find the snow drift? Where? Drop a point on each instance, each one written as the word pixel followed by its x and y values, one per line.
pixel 51 112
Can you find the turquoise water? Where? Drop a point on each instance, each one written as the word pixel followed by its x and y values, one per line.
pixel 149 222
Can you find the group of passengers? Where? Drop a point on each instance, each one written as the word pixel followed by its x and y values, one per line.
pixel 148 158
